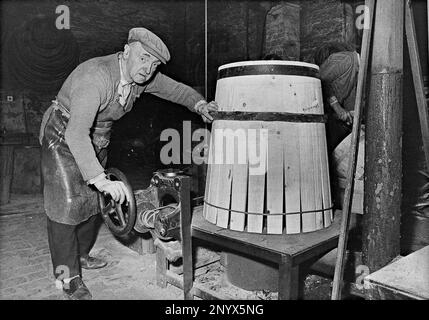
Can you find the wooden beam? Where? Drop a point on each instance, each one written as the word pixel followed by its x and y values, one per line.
pixel 416 70
pixel 354 149
pixel 383 160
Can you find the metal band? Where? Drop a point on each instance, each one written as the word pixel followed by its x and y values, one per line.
pixel 286 70
pixel 269 116
pixel 267 213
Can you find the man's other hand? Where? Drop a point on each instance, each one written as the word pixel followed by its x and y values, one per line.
pixel 204 108
pixel 346 116
pixel 116 189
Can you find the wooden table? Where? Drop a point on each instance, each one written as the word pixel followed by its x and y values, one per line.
pixel 404 279
pixel 289 252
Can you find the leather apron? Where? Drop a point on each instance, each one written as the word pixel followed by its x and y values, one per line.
pixel 68 199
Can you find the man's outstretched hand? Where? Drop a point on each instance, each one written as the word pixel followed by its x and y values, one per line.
pixel 204 108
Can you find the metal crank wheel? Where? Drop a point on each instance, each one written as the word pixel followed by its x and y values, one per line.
pixel 120 219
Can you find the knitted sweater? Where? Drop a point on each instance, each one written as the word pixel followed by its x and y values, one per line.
pixel 339 76
pixel 90 93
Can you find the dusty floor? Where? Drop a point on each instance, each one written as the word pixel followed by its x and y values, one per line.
pixel 26 271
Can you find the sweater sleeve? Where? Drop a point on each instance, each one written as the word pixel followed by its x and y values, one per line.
pixel 338 74
pixel 174 91
pixel 87 93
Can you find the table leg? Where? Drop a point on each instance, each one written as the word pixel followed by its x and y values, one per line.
pixel 288 280
pixel 147 244
pixel 186 233
pixel 161 268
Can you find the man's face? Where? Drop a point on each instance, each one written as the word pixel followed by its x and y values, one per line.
pixel 140 64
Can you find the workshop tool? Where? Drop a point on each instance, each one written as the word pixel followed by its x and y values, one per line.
pixel 354 148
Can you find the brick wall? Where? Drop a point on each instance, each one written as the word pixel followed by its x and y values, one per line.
pixel 282 33
pixel 100 27
pixel 294 29
pixel 325 20
pixel 235 33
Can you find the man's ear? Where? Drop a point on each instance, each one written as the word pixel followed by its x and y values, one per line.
pixel 126 51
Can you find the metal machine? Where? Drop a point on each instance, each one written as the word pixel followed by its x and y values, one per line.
pixel 155 209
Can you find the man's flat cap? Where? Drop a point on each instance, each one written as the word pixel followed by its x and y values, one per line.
pixel 150 42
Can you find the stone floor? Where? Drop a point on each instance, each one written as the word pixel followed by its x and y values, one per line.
pixel 25 264
pixel 26 271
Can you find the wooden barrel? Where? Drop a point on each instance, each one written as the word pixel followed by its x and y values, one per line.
pixel 269 176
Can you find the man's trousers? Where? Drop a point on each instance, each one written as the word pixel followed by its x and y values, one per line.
pixel 68 243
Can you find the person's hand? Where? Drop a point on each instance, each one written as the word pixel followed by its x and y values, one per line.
pixel 349 118
pixel 116 189
pixel 204 108
pixel 346 116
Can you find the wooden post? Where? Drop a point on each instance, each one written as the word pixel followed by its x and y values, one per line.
pixel 6 172
pixel 383 159
pixel 354 149
pixel 416 70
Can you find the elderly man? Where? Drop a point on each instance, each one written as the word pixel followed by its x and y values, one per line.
pixel 74 134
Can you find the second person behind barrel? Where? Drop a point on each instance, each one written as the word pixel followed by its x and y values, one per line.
pixel 339 67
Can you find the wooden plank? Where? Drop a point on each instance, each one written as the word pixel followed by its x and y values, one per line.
pixel 292 168
pixel 257 148
pixel 326 186
pixel 225 175
pixel 209 180
pixel 211 212
pixel 317 167
pixel 325 176
pixel 365 51
pixel 239 183
pixel 416 71
pixel 307 178
pixel 315 142
pixel 275 178
pixel 218 167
